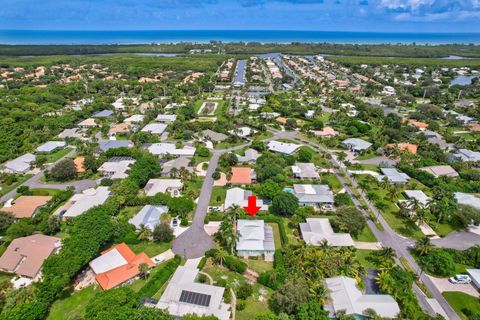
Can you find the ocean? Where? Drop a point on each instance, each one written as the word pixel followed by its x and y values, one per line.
pixel 39 37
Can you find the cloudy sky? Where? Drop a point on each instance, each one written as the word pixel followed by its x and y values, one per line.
pixel 327 15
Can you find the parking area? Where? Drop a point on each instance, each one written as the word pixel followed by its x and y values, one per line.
pixel 443 285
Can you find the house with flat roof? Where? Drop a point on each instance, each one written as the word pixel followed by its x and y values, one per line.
pixel 466 155
pixel 239 197
pixel 250 157
pixel 51 146
pixel 160 149
pixel 149 216
pixel 441 171
pixel 117 167
pixel 166 118
pixel 467 199
pixel 155 128
pixel 26 206
pixel 345 296
pixel 242 175
pixel 356 145
pixel 255 238
pixel 316 230
pixel 118 265
pixel 81 202
pixel 154 186
pixel 305 171
pixel 19 165
pixel 314 195
pixel 283 147
pixel 25 256
pixel 183 295
pixel 114 144
pixel 393 176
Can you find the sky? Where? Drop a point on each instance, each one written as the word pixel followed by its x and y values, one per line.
pixel 325 15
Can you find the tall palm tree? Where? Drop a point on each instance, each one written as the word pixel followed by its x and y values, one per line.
pixel 143 268
pixel 144 233
pixel 386 254
pixel 220 256
pixel 423 246
pixel 173 172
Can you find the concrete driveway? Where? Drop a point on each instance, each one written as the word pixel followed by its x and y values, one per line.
pixel 460 240
pixel 444 285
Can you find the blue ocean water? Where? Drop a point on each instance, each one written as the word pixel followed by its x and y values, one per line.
pixel 201 36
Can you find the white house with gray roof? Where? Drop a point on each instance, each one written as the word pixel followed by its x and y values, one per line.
pixel 88 199
pixel 116 168
pixel 314 195
pixel 305 171
pixel 149 216
pixel 166 118
pixel 251 156
pixel 418 195
pixel 154 128
pixel 344 295
pixel 239 197
pixel 356 145
pixel 467 199
pixel 466 155
pixel 173 186
pixel 393 176
pixel 316 230
pixel 51 146
pixel 19 165
pixel 255 239
pixel 283 147
pixel 160 149
pixel 184 295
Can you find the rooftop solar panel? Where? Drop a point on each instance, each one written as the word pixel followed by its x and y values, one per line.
pixel 195 298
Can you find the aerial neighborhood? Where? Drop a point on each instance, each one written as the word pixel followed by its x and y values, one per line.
pixel 231 184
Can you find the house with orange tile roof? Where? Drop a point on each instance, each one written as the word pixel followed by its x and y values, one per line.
pixel 283 120
pixel 326 132
pixel 409 147
pixel 79 164
pixel 90 122
pixel 120 128
pixel 475 127
pixel 420 125
pixel 242 175
pixel 118 265
pixel 26 206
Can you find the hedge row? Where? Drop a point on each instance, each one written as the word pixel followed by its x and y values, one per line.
pixel 159 277
pixel 235 264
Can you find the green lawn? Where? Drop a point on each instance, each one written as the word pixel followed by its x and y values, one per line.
pixel 71 307
pixel 52 157
pixel 45 192
pixel 366 235
pixel 332 180
pixel 150 248
pixel 218 196
pixel 129 212
pixel 276 235
pixel 365 258
pixel 460 300
pixel 6 189
pixel 259 265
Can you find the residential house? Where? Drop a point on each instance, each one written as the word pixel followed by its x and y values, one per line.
pixel 441 171
pixel 250 157
pixel 19 165
pixel 118 265
pixel 418 124
pixel 243 132
pixel 345 296
pixel 88 123
pixel 88 199
pixel 283 147
pixel 177 163
pixel 120 128
pixel 283 121
pixel 466 155
pixel 239 197
pixel 317 230
pixel 469 200
pixel 114 144
pixel 404 147
pixel 117 167
pixel 149 217
pixel 25 256
pixel 25 206
pixel 184 296
pixel 255 238
pixel 103 114
pixel 154 186
pixel 166 118
pixel 436 138
pixel 242 175
pixel 134 119
pixel 51 146
pixel 326 132
pixel 315 195
pixel 393 176
pixel 161 149
pixel 79 164
pixel 305 171
pixel 74 133
pixel 418 195
pixel 356 145
pixel 214 136
pixel 155 128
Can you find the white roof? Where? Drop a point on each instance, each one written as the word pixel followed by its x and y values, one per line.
pixel 357 144
pixel 116 169
pixel 313 193
pixel 149 216
pixel 156 128
pixel 238 196
pixel 393 175
pixel 305 170
pixel 183 280
pixel 170 148
pixel 251 155
pixel 419 195
pixel 108 261
pixel 467 200
pixel 134 118
pixel 467 155
pixel 86 200
pixel 282 147
pixel 20 164
pixel 254 236
pixel 51 145
pixel 316 230
pixel 346 296
pixel 166 117
pixel 155 186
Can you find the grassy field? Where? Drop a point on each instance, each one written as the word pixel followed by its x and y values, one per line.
pixel 218 196
pixel 6 189
pixel 150 248
pixel 259 265
pixel 365 258
pixel 57 155
pixel 276 235
pixel 71 307
pixel 460 300
pixel 332 180
pixel 366 235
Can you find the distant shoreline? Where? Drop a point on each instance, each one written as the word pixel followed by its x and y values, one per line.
pixel 40 37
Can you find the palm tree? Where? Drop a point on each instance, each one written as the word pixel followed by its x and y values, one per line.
pixel 423 246
pixel 144 233
pixel 143 268
pixel 183 173
pixel 420 217
pixel 220 256
pixel 173 172
pixel 386 254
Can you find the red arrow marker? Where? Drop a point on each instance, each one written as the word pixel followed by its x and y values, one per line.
pixel 252 208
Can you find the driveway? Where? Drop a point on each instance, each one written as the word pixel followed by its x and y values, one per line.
pixel 444 285
pixel 460 240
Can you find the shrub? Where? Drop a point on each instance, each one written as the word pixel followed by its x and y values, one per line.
pixel 202 263
pixel 438 262
pixel 284 204
pixel 158 278
pixel 240 305
pixel 64 170
pixel 244 291
pixel 235 264
pixel 184 222
pixel 163 232
pixel 106 182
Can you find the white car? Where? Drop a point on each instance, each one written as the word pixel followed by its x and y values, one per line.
pixel 460 279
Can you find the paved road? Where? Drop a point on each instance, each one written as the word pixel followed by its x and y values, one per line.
pixel 34 182
pixel 389 238
pixel 458 240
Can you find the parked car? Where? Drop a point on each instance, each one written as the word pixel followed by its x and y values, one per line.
pixel 158 259
pixel 174 222
pixel 460 279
